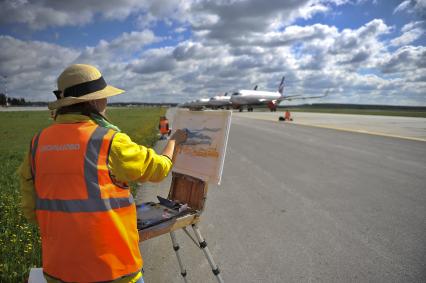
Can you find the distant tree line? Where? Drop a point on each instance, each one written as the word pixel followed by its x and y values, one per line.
pixel 11 101
pixel 4 100
pixel 154 104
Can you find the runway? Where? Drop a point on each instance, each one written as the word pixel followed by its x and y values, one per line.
pixel 413 128
pixel 307 204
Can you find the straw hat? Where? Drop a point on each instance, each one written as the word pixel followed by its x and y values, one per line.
pixel 80 83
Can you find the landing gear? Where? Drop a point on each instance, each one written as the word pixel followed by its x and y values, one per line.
pixel 249 109
pixel 272 106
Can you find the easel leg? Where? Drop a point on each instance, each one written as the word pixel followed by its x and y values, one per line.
pixel 176 248
pixel 203 246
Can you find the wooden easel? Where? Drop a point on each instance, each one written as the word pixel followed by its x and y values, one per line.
pixel 193 192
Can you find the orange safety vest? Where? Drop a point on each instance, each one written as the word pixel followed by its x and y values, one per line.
pixel 164 127
pixel 87 223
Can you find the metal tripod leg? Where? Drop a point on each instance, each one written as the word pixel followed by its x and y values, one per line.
pixel 176 248
pixel 203 246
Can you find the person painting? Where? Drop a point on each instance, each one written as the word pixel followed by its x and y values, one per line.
pixel 74 184
pixel 287 116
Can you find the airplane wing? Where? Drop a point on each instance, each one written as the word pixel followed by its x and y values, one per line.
pixel 291 96
pixel 295 97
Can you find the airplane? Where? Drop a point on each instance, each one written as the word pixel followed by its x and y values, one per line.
pixel 220 101
pixel 216 102
pixel 254 97
pixel 197 104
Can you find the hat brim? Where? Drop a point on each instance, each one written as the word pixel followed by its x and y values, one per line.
pixel 67 101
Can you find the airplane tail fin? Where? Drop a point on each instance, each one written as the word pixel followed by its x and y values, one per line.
pixel 281 86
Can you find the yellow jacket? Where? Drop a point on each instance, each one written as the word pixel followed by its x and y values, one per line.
pixel 127 162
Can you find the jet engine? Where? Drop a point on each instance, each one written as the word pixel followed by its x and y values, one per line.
pixel 272 106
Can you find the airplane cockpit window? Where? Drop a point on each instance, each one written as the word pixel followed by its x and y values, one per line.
pixel 236 93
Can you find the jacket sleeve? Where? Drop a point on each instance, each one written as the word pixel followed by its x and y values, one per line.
pixel 129 161
pixel 27 190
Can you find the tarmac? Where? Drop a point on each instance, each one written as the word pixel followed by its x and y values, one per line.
pixel 392 126
pixel 307 204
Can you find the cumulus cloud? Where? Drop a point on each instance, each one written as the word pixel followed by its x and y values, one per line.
pixel 39 14
pixel 403 6
pixel 32 66
pixel 407 58
pixel 211 16
pixel 120 48
pixel 233 46
pixel 353 47
pixel 234 22
pixel 410 32
pixel 154 61
pixel 293 34
pixel 187 50
pixel 413 7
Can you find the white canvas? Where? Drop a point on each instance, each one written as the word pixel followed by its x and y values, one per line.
pixel 203 154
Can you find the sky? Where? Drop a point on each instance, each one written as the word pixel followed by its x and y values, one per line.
pixel 362 51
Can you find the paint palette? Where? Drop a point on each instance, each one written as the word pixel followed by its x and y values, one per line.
pixel 151 213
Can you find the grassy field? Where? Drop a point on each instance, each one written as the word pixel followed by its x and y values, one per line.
pixel 20 241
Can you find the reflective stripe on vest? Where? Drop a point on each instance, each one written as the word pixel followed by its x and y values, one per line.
pixel 94 202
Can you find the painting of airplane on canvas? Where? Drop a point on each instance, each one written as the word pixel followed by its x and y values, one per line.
pixel 203 154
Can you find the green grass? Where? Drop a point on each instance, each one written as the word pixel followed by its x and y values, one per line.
pixel 384 112
pixel 19 241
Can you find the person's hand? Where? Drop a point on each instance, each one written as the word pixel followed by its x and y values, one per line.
pixel 179 136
